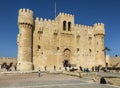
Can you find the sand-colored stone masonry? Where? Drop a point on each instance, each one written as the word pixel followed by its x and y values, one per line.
pixel 8 60
pixel 51 44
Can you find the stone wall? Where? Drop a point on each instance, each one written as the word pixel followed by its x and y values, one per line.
pixel 10 64
pixel 8 60
pixel 115 61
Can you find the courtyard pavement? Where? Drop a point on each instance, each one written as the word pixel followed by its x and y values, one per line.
pixel 47 81
pixel 108 74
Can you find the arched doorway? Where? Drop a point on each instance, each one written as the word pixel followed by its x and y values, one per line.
pixel 66 57
pixel 65 63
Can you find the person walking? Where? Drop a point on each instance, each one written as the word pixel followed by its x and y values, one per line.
pixel 39 72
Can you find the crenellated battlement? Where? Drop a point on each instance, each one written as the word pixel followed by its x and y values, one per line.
pixel 65 17
pixel 25 16
pixel 41 20
pixel 89 27
pixel 79 26
pixel 99 28
pixel 25 11
pixel 98 24
pixel 65 14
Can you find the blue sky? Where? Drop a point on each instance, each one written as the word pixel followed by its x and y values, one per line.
pixel 86 12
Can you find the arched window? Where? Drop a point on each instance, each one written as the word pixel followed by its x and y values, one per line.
pixel 69 26
pixel 66 54
pixel 64 25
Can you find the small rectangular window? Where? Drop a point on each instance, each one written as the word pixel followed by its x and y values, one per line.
pixel 77 49
pixel 57 48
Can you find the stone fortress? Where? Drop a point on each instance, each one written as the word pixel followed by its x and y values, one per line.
pixel 55 44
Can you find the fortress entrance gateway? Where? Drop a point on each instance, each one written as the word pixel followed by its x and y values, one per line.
pixel 66 57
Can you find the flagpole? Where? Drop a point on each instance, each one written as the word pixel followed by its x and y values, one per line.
pixel 55 9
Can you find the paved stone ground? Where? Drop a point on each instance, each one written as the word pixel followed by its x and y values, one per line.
pixel 108 74
pixel 47 81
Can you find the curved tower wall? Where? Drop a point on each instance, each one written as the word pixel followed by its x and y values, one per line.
pixel 25 39
pixel 99 32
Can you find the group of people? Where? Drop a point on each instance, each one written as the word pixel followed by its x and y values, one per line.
pixel 96 68
pixel 93 69
pixel 9 67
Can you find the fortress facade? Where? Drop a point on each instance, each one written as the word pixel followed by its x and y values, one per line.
pixel 55 44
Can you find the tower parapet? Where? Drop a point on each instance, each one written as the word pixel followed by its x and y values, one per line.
pixel 64 16
pixel 66 20
pixel 43 21
pixel 26 16
pixel 83 27
pixel 99 29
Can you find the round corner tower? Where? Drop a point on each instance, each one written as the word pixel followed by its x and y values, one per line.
pixel 24 40
pixel 99 33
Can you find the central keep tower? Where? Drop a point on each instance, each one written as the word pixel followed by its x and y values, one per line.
pixel 24 40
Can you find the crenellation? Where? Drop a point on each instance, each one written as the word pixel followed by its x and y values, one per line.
pixel 37 19
pixel 88 27
pixel 71 15
pixel 85 26
pixel 98 24
pixel 41 19
pixel 65 15
pixel 95 24
pixel 28 10
pixel 49 20
pixel 76 25
pixel 25 11
pixel 91 27
pixel 102 24
pixel 45 20
pixel 99 28
pixel 82 26
pixel 79 25
pixel 56 21
pixel 20 10
pixel 62 14
pixel 53 21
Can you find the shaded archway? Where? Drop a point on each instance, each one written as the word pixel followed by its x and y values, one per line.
pixel 66 57
pixel 65 63
pixel 66 54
